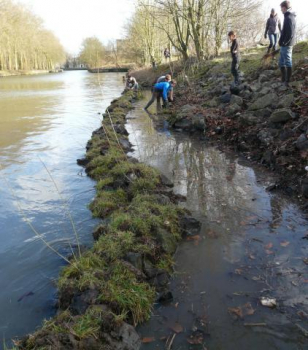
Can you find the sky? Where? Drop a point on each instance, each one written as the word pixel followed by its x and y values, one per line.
pixel 74 20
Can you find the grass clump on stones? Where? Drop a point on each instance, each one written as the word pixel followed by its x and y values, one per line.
pixel 116 280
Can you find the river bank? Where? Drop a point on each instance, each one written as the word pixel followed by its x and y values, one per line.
pixel 14 73
pixel 106 291
pixel 262 119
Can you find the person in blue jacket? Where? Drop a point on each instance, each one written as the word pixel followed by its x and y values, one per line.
pixel 160 90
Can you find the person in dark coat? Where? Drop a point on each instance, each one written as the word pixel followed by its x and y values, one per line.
pixel 287 41
pixel 167 53
pixel 273 28
pixel 235 54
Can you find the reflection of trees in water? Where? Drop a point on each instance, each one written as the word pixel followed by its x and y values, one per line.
pixel 214 185
pixel 209 189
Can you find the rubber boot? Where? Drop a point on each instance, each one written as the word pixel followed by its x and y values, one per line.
pixel 283 74
pixel 288 75
pixel 268 50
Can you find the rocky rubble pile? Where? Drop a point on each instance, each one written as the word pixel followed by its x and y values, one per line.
pixel 263 118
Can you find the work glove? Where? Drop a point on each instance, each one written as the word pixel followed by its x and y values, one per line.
pixel 265 36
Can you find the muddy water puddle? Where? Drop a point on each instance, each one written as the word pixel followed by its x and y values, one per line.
pixel 251 246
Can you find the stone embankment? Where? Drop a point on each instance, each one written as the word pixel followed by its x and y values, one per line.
pixel 106 291
pixel 262 118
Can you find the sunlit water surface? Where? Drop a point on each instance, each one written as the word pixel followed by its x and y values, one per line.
pixel 45 123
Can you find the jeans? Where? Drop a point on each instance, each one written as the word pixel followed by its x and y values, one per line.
pixel 234 69
pixel 156 95
pixel 273 41
pixel 285 56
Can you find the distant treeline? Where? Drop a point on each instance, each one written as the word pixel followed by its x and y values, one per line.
pixel 24 43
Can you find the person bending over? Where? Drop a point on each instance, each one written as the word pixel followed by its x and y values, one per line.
pixel 160 90
pixel 131 83
pixel 167 78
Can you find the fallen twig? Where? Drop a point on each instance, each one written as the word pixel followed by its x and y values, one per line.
pixel 168 346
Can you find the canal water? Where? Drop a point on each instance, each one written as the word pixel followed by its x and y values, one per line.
pixel 45 123
pixel 252 244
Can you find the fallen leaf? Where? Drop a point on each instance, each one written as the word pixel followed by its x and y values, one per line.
pixel 196 338
pixel 269 252
pixel 249 310
pixel 212 234
pixel 284 243
pixel 148 340
pixel 305 261
pixel 252 257
pixel 241 311
pixel 238 271
pixel 194 238
pixel 269 245
pixel 237 311
pixel 177 328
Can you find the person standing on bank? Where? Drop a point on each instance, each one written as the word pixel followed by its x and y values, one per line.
pixel 287 41
pixel 273 28
pixel 235 54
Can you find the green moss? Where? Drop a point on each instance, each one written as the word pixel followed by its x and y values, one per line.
pixel 115 245
pixel 145 176
pixel 107 202
pixel 83 266
pixel 166 263
pixel 132 297
pixel 131 222
pixel 56 324
pixel 300 50
pixel 166 216
pixel 119 111
pixel 103 183
pixel 101 165
pixel 87 325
